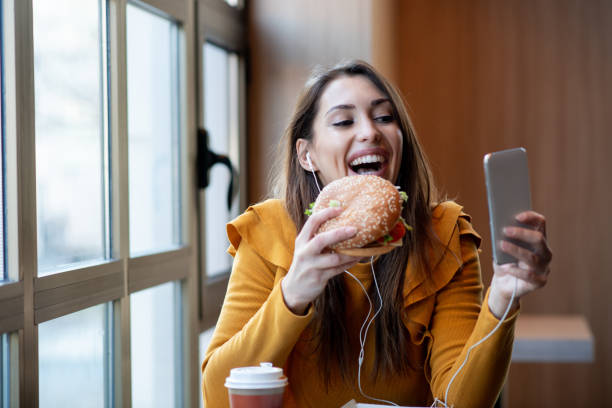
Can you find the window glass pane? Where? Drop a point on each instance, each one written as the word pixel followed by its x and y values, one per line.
pixel 3 273
pixel 221 120
pixel 74 350
pixel 156 353
pixel 4 371
pixel 70 120
pixel 153 131
pixel 205 338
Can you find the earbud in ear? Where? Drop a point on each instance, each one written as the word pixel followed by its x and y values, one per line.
pixel 312 170
pixel 309 161
pixel 399 132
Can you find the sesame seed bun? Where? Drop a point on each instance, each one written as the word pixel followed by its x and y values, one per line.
pixel 371 204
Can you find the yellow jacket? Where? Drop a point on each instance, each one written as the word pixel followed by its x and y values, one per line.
pixel 443 318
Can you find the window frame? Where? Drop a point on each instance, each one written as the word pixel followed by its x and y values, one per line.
pixel 177 264
pixel 224 26
pixel 27 299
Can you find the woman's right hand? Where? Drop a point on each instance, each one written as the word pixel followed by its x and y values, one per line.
pixel 312 266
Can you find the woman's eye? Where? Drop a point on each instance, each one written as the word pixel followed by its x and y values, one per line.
pixel 384 118
pixel 341 123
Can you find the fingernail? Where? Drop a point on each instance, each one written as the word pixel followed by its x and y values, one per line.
pixel 521 216
pixel 507 231
pixel 351 230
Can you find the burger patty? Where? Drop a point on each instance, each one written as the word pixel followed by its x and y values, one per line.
pixel 371 204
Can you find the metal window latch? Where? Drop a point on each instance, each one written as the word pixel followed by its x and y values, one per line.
pixel 207 159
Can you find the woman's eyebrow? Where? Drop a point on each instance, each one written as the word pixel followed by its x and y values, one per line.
pixel 378 101
pixel 375 102
pixel 343 106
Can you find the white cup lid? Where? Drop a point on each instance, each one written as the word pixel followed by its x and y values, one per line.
pixel 258 377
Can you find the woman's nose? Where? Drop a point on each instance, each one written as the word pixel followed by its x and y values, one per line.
pixel 368 132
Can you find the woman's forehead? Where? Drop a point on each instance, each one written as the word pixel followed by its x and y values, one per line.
pixel 349 90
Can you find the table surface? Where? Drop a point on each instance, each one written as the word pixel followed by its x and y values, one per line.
pixel 553 338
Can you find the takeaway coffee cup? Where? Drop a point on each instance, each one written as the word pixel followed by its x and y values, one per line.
pixel 256 387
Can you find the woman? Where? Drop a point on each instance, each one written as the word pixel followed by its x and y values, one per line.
pixel 289 302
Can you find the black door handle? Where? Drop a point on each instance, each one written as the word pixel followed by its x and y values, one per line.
pixel 207 159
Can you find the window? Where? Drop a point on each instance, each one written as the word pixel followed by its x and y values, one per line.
pixel 156 347
pixel 4 371
pixel 153 131
pixel 73 350
pixel 75 281
pixel 3 274
pixel 71 142
pixel 98 232
pixel 155 208
pixel 204 341
pixel 11 293
pixel 221 119
pixel 221 47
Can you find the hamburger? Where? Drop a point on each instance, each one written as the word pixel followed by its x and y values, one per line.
pixel 371 204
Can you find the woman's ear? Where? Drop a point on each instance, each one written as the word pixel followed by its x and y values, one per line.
pixel 301 147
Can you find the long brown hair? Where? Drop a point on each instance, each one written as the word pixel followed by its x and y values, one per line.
pixel 298 188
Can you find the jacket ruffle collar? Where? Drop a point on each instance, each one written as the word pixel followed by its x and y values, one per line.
pixel 449 222
pixel 268 229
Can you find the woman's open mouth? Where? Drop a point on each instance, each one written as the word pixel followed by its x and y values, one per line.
pixel 369 164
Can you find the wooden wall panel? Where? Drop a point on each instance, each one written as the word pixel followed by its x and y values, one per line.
pixel 487 75
pixel 286 40
pixel 478 76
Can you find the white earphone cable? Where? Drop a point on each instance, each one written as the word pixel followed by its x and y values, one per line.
pixel 363 335
pixel 467 355
pixel 312 171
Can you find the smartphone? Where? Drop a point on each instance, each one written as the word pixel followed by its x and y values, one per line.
pixel 508 194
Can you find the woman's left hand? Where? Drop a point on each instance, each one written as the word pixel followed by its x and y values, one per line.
pixel 532 268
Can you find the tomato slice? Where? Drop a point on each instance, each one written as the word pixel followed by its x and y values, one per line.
pixel 396 233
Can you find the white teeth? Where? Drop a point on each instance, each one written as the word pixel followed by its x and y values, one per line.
pixel 371 158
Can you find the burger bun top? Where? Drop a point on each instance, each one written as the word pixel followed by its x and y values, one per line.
pixel 370 203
